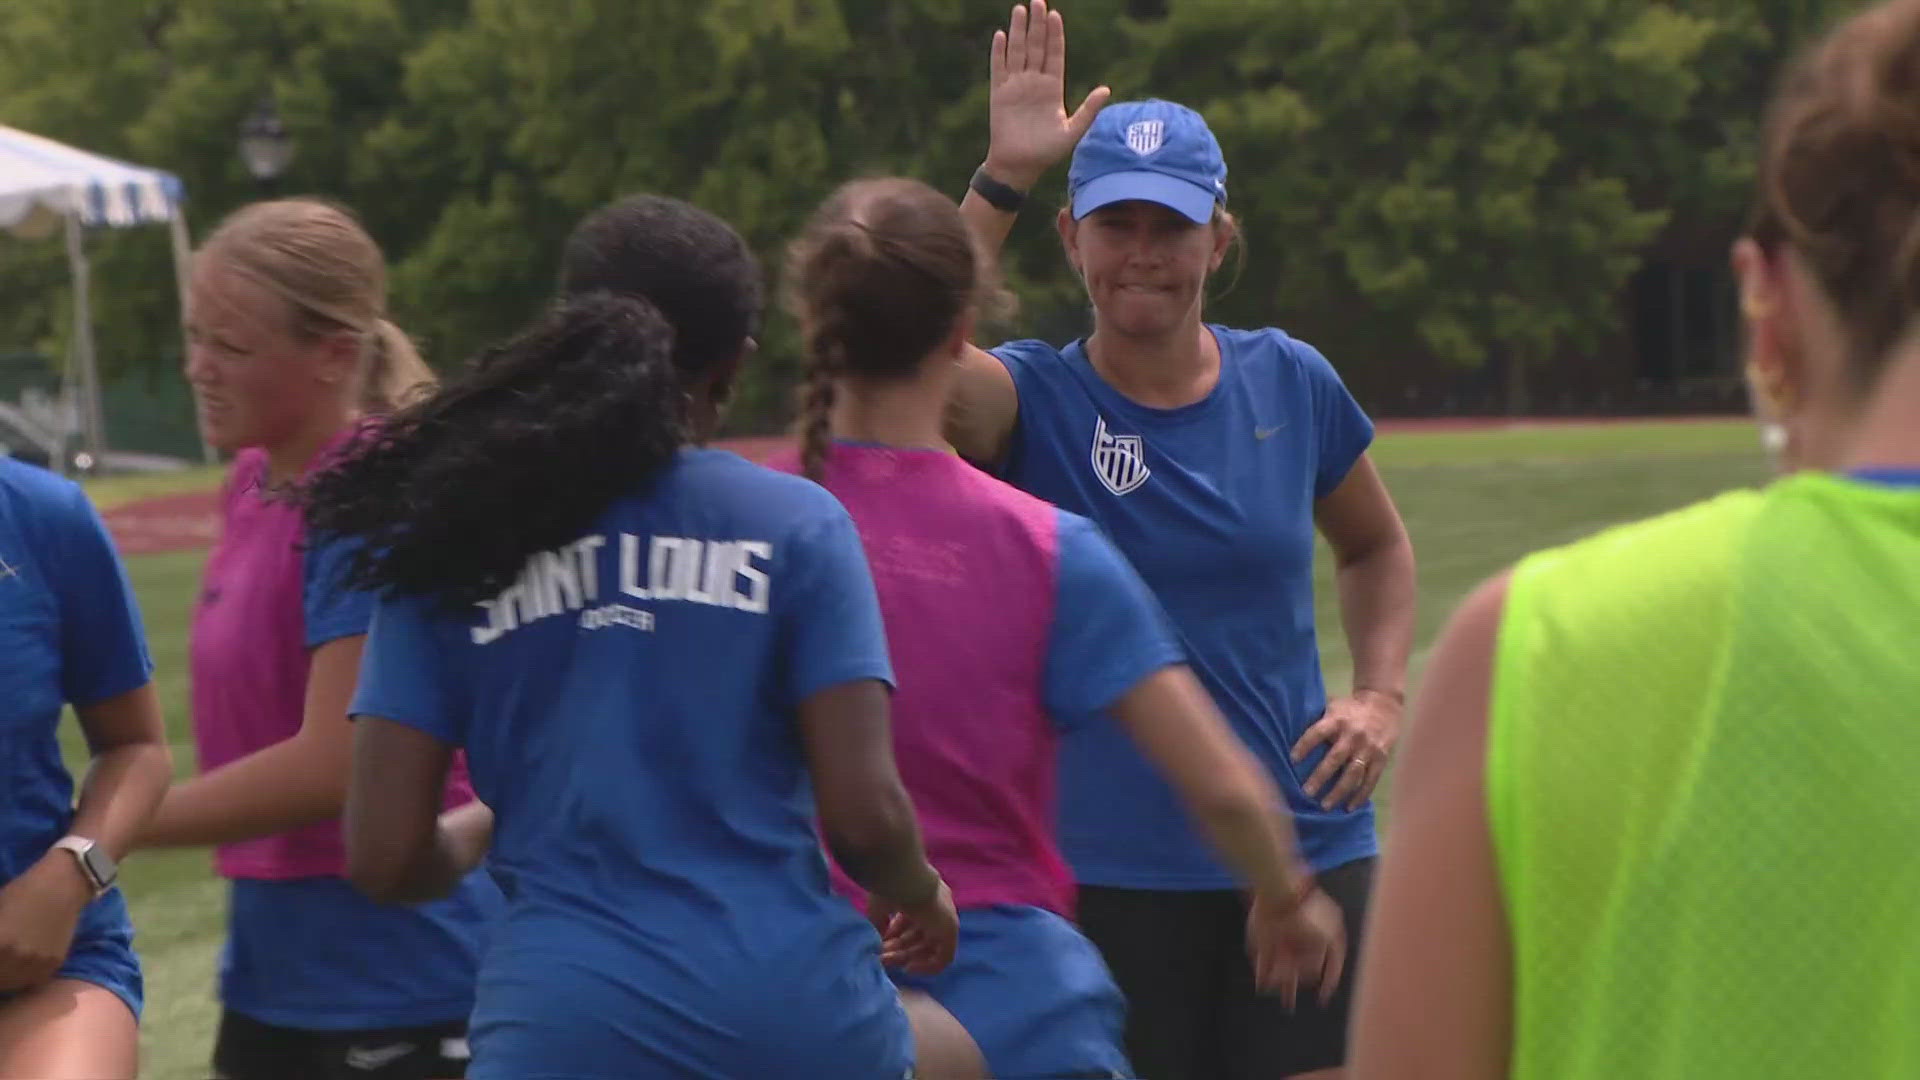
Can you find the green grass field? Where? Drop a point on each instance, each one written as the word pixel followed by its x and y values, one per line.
pixel 1473 501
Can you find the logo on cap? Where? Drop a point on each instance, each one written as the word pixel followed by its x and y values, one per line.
pixel 1145 136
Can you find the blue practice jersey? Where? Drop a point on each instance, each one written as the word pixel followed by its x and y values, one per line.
pixel 629 710
pixel 70 633
pixel 1213 504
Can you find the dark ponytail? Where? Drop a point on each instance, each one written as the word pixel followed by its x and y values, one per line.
pixel 517 454
pixel 824 364
pixel 822 271
pixel 879 278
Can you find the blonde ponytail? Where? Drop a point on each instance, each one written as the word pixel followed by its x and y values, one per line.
pixel 396 375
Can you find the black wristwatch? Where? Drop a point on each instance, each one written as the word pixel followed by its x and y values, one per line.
pixel 998 195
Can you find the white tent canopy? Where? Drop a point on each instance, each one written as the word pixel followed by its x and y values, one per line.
pixel 42 184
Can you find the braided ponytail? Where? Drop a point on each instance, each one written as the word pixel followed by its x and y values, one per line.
pixel 878 279
pixel 819 289
pixel 826 360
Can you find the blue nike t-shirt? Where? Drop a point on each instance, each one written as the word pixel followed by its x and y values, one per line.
pixel 1213 504
pixel 70 633
pixel 629 711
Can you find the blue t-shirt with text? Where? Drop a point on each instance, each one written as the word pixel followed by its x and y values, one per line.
pixel 629 711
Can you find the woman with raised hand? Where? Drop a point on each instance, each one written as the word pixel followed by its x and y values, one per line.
pixel 1211 456
pixel 1010 621
pixel 662 662
pixel 1656 814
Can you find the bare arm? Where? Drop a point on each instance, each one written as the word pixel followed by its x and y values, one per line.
pixel 1435 992
pixel 1029 128
pixel 131 768
pixel 865 814
pixel 984 405
pixel 989 224
pixel 1174 722
pixel 299 781
pixel 41 906
pixel 982 410
pixel 1374 573
pixel 1375 576
pixel 1030 131
pixel 399 847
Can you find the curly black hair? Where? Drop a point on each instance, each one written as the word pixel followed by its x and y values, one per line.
pixel 522 450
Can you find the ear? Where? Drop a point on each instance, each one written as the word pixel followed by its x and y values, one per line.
pixel 338 355
pixel 725 373
pixel 1224 229
pixel 1069 230
pixel 1767 315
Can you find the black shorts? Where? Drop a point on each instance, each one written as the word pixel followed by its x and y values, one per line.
pixel 1192 1010
pixel 247 1049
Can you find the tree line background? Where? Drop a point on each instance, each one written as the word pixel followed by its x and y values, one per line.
pixel 1459 201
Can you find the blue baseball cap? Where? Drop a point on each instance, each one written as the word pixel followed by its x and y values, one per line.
pixel 1152 150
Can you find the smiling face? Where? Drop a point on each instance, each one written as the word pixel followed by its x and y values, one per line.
pixel 1145 265
pixel 257 380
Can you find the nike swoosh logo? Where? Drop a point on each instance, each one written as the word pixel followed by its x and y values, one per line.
pixel 1266 432
pixel 375 1058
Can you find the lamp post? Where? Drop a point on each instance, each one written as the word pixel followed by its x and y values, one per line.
pixel 265 145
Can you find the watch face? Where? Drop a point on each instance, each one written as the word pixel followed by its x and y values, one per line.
pixel 100 866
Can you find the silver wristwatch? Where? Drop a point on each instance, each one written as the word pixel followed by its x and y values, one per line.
pixel 95 863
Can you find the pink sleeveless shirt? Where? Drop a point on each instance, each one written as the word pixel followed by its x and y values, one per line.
pixel 966 570
pixel 250 654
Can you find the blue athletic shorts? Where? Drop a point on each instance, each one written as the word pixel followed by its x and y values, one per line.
pixel 1034 994
pixel 102 952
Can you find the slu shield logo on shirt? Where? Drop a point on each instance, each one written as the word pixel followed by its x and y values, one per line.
pixel 1118 460
pixel 1145 136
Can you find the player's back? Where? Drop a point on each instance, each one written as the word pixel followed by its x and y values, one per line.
pixel 631 716
pixel 966 568
pixel 1702 748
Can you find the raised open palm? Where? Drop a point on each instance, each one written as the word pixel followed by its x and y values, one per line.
pixel 1030 128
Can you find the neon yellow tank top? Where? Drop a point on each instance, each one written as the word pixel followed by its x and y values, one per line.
pixel 1703 784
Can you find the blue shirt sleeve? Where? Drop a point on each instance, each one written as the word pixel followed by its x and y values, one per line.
pixel 1022 359
pixel 404 671
pixel 103 646
pixel 1108 630
pixel 829 610
pixel 1342 429
pixel 333 611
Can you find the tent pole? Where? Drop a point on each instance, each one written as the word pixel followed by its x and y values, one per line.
pixel 182 266
pixel 96 426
